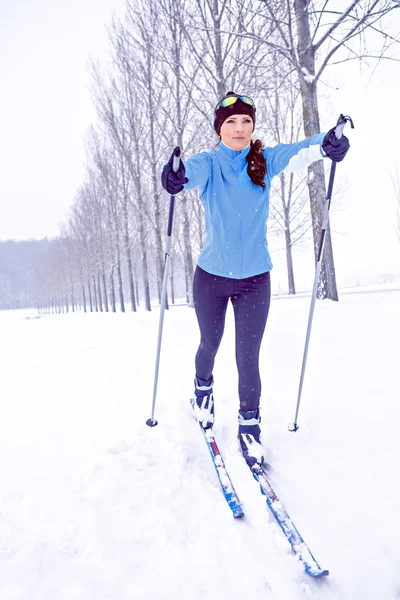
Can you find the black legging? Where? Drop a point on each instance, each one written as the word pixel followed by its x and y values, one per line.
pixel 250 298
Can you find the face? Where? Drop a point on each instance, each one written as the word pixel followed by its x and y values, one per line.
pixel 236 131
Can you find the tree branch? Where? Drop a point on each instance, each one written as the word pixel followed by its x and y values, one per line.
pixel 340 20
pixel 350 34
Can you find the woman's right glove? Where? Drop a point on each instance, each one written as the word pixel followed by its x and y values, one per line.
pixel 173 182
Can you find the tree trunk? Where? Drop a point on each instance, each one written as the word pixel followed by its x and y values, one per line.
pixel 112 254
pixel 119 269
pixel 137 291
pixel 103 280
pixel 316 178
pixel 128 257
pixel 219 61
pixel 112 290
pixel 288 240
pixel 142 233
pixel 187 287
pixel 145 271
pixel 83 297
pixel 72 293
pixel 90 295
pixel 96 307
pixel 188 254
pixel 120 285
pixel 99 293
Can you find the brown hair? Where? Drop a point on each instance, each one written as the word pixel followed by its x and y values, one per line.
pixel 257 165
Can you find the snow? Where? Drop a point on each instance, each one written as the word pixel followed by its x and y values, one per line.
pixel 255 450
pixel 204 414
pixel 96 505
pixel 307 75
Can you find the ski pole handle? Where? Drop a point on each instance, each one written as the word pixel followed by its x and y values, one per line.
pixel 175 166
pixel 177 159
pixel 342 120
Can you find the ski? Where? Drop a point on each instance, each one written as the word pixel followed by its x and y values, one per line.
pixel 225 481
pixel 297 543
pixel 299 546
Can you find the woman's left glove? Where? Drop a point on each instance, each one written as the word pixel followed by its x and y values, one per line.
pixel 171 181
pixel 335 149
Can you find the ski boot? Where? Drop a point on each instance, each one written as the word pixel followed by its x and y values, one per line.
pixel 204 409
pixel 249 437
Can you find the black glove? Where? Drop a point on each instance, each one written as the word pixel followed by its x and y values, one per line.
pixel 171 181
pixel 335 149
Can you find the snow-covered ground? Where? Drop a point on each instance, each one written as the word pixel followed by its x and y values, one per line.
pixel 94 505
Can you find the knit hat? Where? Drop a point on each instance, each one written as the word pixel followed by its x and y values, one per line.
pixel 238 108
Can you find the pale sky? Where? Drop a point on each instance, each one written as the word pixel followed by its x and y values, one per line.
pixel 45 109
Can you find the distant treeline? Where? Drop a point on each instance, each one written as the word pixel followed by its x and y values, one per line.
pixel 49 275
pixel 20 267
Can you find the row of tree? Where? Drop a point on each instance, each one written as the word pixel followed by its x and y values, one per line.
pixel 169 63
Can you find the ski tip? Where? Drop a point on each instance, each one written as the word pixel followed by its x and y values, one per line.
pixel 238 515
pixel 151 422
pixel 317 574
pixel 324 573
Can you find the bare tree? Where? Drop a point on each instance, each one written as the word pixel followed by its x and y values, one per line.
pixel 70 264
pixel 88 227
pixel 139 32
pixel 308 34
pixel 81 227
pixel 101 237
pixel 120 107
pixel 289 216
pixel 176 65
pixel 77 234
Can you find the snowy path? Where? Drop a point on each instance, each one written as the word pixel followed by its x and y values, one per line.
pixel 94 505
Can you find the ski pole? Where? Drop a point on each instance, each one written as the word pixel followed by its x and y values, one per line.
pixel 175 166
pixel 338 133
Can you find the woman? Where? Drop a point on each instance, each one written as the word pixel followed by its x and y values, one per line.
pixel 234 182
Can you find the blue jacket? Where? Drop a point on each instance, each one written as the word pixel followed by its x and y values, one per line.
pixel 236 210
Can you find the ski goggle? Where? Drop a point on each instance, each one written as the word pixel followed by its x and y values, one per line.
pixel 229 100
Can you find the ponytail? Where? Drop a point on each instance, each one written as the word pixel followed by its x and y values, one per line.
pixel 257 165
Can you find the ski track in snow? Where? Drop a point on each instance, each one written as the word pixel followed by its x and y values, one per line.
pixel 95 505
